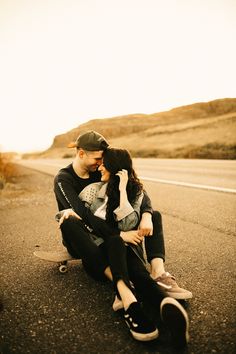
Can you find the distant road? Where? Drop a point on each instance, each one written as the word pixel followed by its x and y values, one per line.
pixel 217 175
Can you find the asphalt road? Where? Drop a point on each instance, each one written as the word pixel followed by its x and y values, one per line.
pixel 203 174
pixel 47 312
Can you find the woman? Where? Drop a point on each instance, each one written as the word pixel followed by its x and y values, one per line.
pixel 117 199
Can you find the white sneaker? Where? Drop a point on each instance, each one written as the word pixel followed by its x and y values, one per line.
pixel 117 304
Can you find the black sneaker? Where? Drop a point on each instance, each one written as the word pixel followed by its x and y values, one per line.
pixel 175 318
pixel 139 325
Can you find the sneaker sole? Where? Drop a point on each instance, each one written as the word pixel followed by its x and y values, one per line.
pixel 144 337
pixel 118 306
pixel 176 319
pixel 179 296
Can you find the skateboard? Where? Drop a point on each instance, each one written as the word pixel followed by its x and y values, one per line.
pixel 61 258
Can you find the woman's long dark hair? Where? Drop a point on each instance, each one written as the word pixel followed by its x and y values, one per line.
pixel 115 160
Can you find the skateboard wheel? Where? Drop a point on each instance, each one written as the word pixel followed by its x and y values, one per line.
pixel 63 268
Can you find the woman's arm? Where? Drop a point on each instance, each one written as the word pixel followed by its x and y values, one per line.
pixel 125 214
pixel 139 214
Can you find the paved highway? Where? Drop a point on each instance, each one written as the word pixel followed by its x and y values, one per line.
pixel 200 230
pixel 215 174
pixel 200 191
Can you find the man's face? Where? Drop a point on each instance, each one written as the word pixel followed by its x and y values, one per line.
pixel 92 159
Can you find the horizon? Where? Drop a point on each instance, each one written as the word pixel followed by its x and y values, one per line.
pixel 64 64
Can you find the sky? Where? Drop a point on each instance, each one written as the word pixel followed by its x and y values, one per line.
pixel 64 62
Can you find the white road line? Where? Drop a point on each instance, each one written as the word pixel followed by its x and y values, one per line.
pixel 191 185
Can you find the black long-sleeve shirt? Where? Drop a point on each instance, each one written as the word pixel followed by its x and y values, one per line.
pixel 68 185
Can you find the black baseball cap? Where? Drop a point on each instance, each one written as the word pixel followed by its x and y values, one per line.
pixel 90 141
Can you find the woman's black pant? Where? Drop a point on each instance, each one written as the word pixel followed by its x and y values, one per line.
pixel 112 252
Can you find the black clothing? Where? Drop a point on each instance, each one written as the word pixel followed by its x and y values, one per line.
pixel 155 245
pixel 123 261
pixel 68 185
pixel 78 239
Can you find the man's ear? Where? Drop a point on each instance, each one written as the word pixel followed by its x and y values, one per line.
pixel 80 153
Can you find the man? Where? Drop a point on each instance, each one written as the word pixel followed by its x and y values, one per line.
pixel 68 183
pixel 81 243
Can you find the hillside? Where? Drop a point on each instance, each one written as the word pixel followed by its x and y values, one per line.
pixel 200 130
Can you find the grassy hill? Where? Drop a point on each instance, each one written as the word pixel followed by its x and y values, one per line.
pixel 201 130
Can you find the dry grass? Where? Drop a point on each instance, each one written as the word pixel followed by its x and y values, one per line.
pixel 208 151
pixel 8 170
pixel 201 130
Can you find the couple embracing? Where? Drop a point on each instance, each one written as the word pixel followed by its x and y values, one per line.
pixel 107 220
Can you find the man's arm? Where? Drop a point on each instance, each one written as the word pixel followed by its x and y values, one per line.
pixel 67 197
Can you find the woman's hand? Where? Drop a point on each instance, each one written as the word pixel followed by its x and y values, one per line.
pixel 66 214
pixel 123 174
pixel 131 237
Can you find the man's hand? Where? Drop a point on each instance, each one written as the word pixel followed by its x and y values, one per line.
pixel 146 225
pixel 66 214
pixel 131 237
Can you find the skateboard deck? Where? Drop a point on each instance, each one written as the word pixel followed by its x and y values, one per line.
pixel 60 257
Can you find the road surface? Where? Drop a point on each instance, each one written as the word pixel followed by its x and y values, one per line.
pixel 71 313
